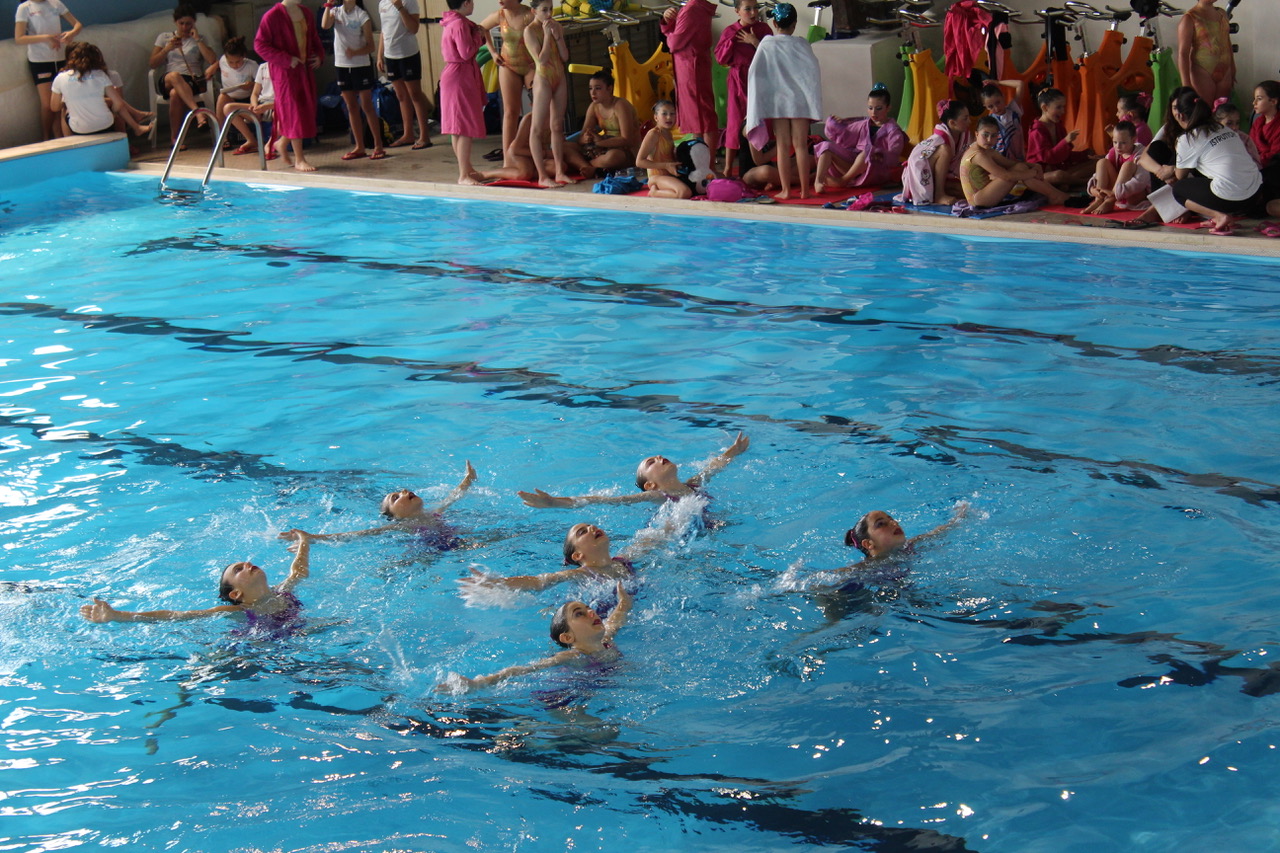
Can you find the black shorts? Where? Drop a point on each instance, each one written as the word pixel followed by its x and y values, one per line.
pixel 1199 189
pixel 90 132
pixel 44 72
pixel 197 84
pixel 406 68
pixel 359 79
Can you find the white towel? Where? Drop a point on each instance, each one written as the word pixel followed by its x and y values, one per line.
pixel 782 82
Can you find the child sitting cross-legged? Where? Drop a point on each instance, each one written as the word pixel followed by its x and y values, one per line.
pixel 1119 182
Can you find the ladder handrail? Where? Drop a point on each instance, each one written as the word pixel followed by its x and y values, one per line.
pixel 222 134
pixel 182 136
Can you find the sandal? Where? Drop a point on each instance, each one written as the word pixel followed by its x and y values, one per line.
pixel 494 155
pixel 247 148
pixel 378 155
pixel 418 146
pixel 354 155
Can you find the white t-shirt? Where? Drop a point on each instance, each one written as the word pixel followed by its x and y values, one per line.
pixel 186 60
pixel 397 42
pixel 87 112
pixel 1221 157
pixel 233 77
pixel 42 19
pixel 263 79
pixel 348 35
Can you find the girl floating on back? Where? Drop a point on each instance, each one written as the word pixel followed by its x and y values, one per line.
pixel 587 639
pixel 656 477
pixel 408 514
pixel 243 586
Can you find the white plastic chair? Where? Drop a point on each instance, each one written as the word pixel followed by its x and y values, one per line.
pixel 210 98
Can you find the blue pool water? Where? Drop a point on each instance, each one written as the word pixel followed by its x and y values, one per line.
pixel 1085 664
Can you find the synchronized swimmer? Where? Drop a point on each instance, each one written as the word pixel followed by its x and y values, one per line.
pixel 585 631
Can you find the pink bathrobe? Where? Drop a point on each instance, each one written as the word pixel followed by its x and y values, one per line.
pixel 277 43
pixel 847 136
pixel 689 40
pixel 737 56
pixel 462 95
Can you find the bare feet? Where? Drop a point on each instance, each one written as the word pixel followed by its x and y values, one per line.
pixel 818 187
pixel 562 179
pixel 783 195
pixel 471 179
pixel 303 166
pixel 547 183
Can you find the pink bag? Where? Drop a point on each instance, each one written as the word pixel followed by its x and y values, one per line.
pixel 726 189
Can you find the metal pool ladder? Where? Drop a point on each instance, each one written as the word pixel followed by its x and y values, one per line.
pixel 219 137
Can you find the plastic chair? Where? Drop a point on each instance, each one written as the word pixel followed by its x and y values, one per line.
pixel 210 98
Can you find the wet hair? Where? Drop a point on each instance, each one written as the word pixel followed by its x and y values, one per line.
pixel 991 90
pixel 569 547
pixel 234 46
pixel 881 93
pixel 224 586
pixel 1126 126
pixel 1133 104
pixel 455 5
pixel 854 535
pixel 183 10
pixel 560 624
pixel 1049 96
pixel 1270 88
pixel 83 57
pixel 784 14
pixel 949 111
pixel 662 103
pixel 603 76
pixel 1197 113
pixel 988 121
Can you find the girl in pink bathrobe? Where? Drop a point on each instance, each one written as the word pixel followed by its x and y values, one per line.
pixel 736 49
pixel 288 41
pixel 462 95
pixel 688 32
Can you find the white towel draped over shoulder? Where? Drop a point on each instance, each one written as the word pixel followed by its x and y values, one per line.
pixel 783 82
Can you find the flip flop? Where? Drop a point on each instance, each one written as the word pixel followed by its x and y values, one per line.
pixel 1268 229
pixel 353 155
pixel 1225 231
pixel 247 148
pixel 378 155
pixel 418 146
pixel 494 155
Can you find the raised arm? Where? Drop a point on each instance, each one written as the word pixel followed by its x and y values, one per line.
pixel 541 500
pixel 652 538
pixel 740 444
pixel 301 566
pixel 463 684
pixel 459 490
pixel 961 510
pixel 618 617
pixel 101 612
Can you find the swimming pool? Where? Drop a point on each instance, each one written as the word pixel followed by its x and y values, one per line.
pixel 1083 665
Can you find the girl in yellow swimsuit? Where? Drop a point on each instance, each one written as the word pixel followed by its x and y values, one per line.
pixel 515 65
pixel 1205 59
pixel 545 39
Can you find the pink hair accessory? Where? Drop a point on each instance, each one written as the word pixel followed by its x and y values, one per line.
pixel 1144 98
pixel 1218 103
pixel 942 106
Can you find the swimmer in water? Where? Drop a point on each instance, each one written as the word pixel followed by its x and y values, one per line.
pixel 586 638
pixel 656 477
pixel 878 536
pixel 586 548
pixel 408 515
pixel 243 586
